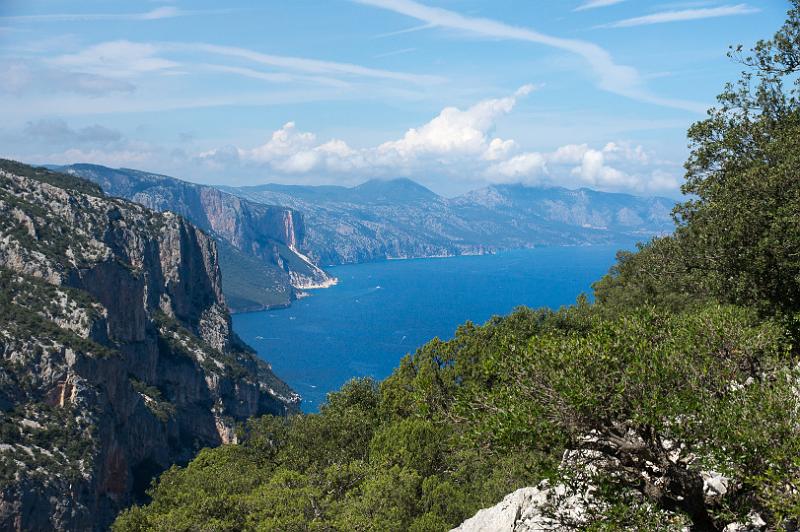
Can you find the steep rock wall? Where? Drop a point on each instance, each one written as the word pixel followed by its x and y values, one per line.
pixel 117 357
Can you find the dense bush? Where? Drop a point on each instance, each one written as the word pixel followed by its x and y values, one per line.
pixel 686 363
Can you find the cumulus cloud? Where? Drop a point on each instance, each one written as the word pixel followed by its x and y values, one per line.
pixel 458 131
pixel 291 151
pixel 525 167
pixel 580 164
pixel 459 143
pixel 454 135
pixel 593 170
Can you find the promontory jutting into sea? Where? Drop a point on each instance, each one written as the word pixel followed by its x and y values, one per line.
pixel 399 265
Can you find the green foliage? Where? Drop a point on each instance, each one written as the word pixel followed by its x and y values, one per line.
pixel 26 303
pixel 154 400
pixel 686 363
pixel 503 401
pixel 737 239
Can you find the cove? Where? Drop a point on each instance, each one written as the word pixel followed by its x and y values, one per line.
pixel 380 311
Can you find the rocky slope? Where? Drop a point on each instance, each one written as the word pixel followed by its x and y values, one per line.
pixel 117 356
pixel 260 245
pixel 400 218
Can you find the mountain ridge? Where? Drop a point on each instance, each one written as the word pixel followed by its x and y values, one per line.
pixel 357 224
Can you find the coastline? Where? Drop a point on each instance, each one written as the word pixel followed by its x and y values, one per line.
pixel 334 281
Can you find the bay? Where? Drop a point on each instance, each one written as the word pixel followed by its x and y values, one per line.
pixel 380 311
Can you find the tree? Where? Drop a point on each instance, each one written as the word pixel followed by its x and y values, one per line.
pixel 738 236
pixel 644 393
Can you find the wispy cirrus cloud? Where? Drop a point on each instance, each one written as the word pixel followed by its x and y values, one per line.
pixel 302 64
pixel 593 4
pixel 404 31
pixel 684 15
pixel 21 78
pixel 127 59
pixel 395 52
pixel 612 77
pixel 154 14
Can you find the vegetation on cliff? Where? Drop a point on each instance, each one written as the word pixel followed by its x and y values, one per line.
pixel 117 358
pixel 685 367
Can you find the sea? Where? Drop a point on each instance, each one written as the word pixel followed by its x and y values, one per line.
pixel 380 311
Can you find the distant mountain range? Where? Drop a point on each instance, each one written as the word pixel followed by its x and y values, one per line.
pixel 402 219
pixel 273 238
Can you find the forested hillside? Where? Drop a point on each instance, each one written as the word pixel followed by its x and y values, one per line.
pixel 670 402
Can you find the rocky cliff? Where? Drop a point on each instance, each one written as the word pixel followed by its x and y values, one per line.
pixel 401 219
pixel 117 356
pixel 260 245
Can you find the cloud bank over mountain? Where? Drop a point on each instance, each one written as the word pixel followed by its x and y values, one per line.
pixel 458 143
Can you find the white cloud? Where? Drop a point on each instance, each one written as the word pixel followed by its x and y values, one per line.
pixel 457 131
pixel 457 144
pixel 404 31
pixel 593 4
pixel 453 135
pixel 569 154
pixel 499 149
pixel 683 15
pixel 594 171
pixel 663 180
pixel 581 165
pixel 395 52
pixel 274 77
pixel 284 142
pixel 526 168
pixel 612 77
pixel 292 152
pixel 626 151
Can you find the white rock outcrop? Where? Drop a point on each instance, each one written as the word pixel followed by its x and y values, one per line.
pixel 530 510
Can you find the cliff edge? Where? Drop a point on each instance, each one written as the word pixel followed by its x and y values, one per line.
pixel 117 357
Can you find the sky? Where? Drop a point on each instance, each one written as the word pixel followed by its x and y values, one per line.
pixel 455 94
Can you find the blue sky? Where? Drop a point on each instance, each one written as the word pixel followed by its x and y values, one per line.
pixel 455 94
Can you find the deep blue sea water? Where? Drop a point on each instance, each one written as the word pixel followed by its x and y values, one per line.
pixel 380 311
